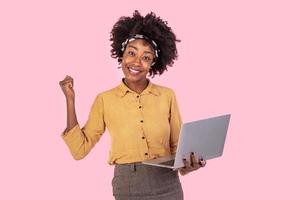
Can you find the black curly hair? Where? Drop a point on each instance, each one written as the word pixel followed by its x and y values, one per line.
pixel 152 27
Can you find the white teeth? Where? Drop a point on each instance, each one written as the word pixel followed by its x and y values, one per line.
pixel 133 70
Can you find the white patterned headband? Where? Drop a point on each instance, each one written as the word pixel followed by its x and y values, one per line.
pixel 138 36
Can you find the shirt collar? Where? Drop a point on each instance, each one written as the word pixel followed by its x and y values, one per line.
pixel 151 88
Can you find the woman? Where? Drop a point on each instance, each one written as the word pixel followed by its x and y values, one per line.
pixel 143 118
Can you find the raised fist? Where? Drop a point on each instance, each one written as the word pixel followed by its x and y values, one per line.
pixel 67 87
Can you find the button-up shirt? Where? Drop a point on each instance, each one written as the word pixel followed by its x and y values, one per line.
pixel 141 126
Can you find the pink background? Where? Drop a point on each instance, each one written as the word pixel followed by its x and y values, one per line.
pixel 238 57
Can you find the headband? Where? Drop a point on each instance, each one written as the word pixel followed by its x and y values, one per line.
pixel 138 36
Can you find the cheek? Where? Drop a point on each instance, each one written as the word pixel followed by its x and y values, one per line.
pixel 126 61
pixel 146 68
pixel 123 63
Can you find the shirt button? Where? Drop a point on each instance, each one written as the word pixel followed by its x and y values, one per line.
pixel 146 154
pixel 137 96
pixel 142 121
pixel 143 137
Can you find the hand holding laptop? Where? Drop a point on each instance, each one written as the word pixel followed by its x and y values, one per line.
pixel 205 138
pixel 191 164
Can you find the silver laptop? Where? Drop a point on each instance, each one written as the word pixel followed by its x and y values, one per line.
pixel 205 138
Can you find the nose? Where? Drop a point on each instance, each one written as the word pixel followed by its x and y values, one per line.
pixel 137 60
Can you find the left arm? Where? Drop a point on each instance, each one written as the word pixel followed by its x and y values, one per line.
pixel 175 123
pixel 192 163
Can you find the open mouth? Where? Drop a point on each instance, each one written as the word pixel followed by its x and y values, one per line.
pixel 133 70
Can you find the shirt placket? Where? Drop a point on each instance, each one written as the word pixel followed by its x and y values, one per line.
pixel 145 149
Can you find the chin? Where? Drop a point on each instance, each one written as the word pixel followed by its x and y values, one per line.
pixel 135 79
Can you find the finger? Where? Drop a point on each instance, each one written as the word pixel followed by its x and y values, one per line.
pixel 67 79
pixel 62 83
pixel 66 85
pixel 70 85
pixel 186 163
pixel 183 172
pixel 202 162
pixel 194 160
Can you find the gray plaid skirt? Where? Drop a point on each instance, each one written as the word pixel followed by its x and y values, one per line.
pixel 137 181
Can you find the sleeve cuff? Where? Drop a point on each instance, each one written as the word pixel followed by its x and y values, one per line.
pixel 173 151
pixel 67 134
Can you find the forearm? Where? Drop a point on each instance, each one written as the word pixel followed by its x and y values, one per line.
pixel 71 115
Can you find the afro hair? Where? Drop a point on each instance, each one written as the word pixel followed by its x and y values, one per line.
pixel 152 27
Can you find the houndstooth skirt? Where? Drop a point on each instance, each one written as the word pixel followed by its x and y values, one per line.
pixel 137 181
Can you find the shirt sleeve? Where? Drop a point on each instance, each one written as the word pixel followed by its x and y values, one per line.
pixel 80 141
pixel 175 123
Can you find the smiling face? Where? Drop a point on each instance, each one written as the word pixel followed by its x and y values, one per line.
pixel 137 59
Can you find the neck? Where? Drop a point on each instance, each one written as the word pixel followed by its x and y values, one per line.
pixel 138 86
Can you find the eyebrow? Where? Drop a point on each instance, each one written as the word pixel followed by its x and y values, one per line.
pixel 137 49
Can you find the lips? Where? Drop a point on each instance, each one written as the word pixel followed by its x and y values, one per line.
pixel 134 70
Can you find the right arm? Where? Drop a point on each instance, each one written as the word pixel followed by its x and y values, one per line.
pixel 67 88
pixel 81 140
pixel 71 115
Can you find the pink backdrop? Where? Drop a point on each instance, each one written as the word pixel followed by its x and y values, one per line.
pixel 238 57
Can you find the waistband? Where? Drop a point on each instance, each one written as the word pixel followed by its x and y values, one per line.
pixel 131 166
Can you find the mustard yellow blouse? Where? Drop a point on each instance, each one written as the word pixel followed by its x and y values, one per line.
pixel 141 126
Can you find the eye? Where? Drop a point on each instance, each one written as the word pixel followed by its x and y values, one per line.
pixel 147 58
pixel 131 53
